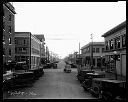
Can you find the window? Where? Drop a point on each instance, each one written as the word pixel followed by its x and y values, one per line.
pixel 117 42
pixel 102 49
pixel 9 29
pixel 94 50
pixel 123 41
pixel 97 50
pixel 15 49
pixel 10 17
pixel 3 25
pixel 9 52
pixel 20 49
pixel 111 43
pixel 3 38
pixel 9 40
pixel 3 51
pixel 15 41
pixel 107 45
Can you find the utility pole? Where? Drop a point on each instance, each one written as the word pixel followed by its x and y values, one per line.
pixel 79 49
pixel 92 52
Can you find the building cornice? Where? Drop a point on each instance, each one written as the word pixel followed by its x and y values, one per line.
pixel 115 29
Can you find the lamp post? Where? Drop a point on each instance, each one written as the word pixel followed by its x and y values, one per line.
pixel 115 56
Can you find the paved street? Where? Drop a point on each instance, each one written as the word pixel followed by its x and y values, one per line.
pixel 53 84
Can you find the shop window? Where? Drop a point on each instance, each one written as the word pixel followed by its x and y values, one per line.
pixel 124 41
pixel 97 50
pixel 111 44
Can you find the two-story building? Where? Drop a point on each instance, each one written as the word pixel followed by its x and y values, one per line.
pixel 115 41
pixel 98 54
pixel 8 33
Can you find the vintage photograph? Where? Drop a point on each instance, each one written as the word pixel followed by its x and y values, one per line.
pixel 64 50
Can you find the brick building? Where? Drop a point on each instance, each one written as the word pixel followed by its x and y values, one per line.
pixel 27 48
pixel 8 32
pixel 98 54
pixel 23 47
pixel 115 40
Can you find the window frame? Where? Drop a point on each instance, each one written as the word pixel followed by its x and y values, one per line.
pixel 97 50
pixel 124 42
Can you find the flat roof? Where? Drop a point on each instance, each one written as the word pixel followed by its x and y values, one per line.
pixel 94 43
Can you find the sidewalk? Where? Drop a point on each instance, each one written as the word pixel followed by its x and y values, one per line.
pixel 111 75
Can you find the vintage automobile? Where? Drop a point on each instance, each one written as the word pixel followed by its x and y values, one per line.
pixel 54 65
pixel 108 89
pixel 87 83
pixel 38 72
pixel 67 69
pixel 83 74
pixel 96 87
pixel 19 79
pixel 112 89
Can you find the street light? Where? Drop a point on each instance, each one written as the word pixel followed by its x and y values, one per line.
pixel 115 57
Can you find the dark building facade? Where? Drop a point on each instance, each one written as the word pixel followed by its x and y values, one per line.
pixel 8 33
pixel 115 41
pixel 23 47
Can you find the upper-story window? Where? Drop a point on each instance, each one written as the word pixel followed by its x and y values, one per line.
pixel 97 50
pixel 10 29
pixel 9 40
pixel 124 40
pixel 107 45
pixel 111 44
pixel 3 13
pixel 3 51
pixel 10 52
pixel 3 38
pixel 102 49
pixel 15 41
pixel 94 50
pixel 3 25
pixel 10 18
pixel 117 42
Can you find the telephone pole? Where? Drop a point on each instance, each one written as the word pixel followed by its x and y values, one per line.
pixel 92 52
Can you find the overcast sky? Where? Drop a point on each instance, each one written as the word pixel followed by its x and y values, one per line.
pixel 65 24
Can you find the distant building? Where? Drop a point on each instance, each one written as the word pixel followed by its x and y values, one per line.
pixel 115 40
pixel 27 48
pixel 98 54
pixel 42 40
pixel 8 32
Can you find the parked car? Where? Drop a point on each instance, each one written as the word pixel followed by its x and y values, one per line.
pixel 73 65
pixel 111 89
pixel 83 74
pixel 87 83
